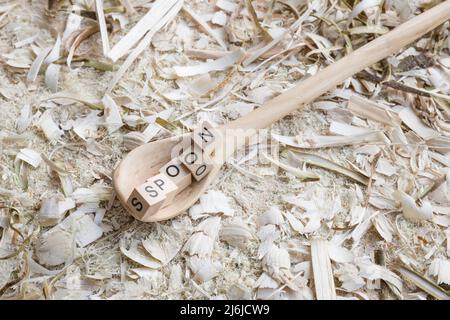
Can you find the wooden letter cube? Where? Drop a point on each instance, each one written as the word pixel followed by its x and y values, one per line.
pixel 162 184
pixel 145 200
pixel 204 136
pixel 196 161
pixel 150 196
pixel 178 173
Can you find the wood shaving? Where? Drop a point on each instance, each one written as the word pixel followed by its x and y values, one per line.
pixel 30 156
pixel 217 65
pixel 211 202
pixel 86 81
pixel 440 268
pixel 411 210
pixel 158 10
pixel 323 274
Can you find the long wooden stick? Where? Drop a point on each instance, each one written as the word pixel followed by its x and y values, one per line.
pixel 334 74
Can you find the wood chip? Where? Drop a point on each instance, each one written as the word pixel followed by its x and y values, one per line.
pixel 326 164
pixel 220 64
pixel 205 27
pixel 30 156
pixel 368 109
pixel 102 25
pixel 112 115
pixel 144 43
pixel 414 123
pixel 148 22
pixel 323 274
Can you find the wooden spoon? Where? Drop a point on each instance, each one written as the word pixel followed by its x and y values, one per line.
pixel 146 160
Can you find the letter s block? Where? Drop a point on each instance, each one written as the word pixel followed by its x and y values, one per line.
pixel 149 197
pixel 145 200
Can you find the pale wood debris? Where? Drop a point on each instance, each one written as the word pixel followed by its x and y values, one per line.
pixel 86 81
pixel 322 271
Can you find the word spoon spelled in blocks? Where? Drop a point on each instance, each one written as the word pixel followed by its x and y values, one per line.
pixel 147 198
pixel 162 184
pixel 178 173
pixel 196 161
pixel 204 136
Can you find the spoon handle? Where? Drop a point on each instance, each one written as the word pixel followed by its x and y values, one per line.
pixel 308 90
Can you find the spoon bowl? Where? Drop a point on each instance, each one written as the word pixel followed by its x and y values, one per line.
pixel 144 162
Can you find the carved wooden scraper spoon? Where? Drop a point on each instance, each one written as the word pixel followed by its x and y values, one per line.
pixel 146 160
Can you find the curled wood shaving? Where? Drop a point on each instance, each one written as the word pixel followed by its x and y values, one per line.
pixel 73 24
pixel 37 63
pixel 327 164
pixel 55 52
pixel 411 210
pixel 49 127
pixel 303 175
pixel 440 268
pixel 24 119
pixel 30 156
pixel 139 256
pixel 363 5
pixel 220 64
pixel 211 202
pixel 236 233
pixel 83 35
pixel 52 77
pixel 148 22
pixel 164 250
pixel 144 43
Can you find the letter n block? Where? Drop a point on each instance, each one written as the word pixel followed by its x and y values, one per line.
pixel 204 136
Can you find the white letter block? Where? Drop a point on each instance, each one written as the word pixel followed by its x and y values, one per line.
pixel 204 136
pixel 178 173
pixel 196 161
pixel 162 184
pixel 145 200
pixel 148 198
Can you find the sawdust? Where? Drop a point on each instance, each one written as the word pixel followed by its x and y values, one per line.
pixel 100 270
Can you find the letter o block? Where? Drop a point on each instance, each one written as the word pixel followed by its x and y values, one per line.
pixel 196 161
pixel 177 173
